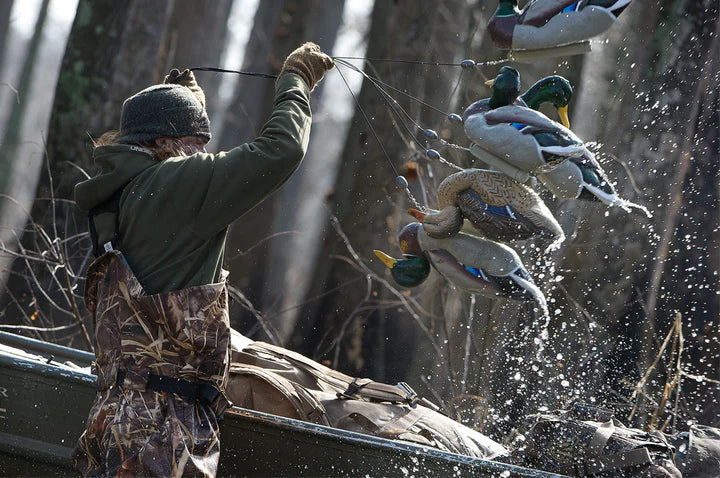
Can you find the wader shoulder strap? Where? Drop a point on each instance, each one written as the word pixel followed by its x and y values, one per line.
pixel 111 205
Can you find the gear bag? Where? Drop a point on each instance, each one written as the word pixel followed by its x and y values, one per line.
pixel 697 452
pixel 275 380
pixel 589 441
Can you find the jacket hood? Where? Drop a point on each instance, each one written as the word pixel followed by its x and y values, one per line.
pixel 119 165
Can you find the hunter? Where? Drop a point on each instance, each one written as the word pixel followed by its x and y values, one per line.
pixel 159 212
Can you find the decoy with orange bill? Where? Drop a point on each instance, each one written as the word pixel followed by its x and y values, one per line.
pixel 472 263
pixel 514 139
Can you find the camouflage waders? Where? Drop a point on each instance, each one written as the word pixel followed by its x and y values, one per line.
pixel 134 429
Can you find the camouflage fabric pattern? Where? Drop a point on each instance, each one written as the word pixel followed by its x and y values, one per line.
pixel 135 431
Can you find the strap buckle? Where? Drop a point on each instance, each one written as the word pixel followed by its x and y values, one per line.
pixel 353 388
pixel 411 398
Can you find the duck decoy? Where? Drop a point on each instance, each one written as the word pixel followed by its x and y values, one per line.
pixel 552 24
pixel 552 89
pixel 580 177
pixel 513 138
pixel 474 264
pixel 497 207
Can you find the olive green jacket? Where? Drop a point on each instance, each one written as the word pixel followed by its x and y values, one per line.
pixel 174 214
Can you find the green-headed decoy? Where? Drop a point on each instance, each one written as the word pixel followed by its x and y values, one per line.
pixel 474 264
pixel 513 138
pixel 581 177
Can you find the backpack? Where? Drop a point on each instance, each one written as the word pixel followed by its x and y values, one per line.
pixel 589 441
pixel 275 380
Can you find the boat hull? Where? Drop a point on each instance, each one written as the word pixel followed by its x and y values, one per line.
pixel 44 404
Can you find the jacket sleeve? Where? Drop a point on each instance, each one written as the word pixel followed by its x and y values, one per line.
pixel 244 176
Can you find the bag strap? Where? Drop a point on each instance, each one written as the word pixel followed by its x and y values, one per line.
pixel 304 402
pixel 350 387
pixel 405 421
pixel 111 205
pixel 600 438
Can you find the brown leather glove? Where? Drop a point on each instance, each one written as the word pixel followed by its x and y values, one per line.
pixel 186 78
pixel 309 62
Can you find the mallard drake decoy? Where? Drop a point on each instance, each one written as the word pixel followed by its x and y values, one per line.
pixel 552 89
pixel 498 207
pixel 513 139
pixel 551 23
pixel 474 264
pixel 581 177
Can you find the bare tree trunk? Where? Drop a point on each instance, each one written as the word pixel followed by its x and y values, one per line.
pixel 364 201
pixel 112 52
pixel 299 205
pixel 280 27
pixel 196 35
pixel 653 108
pixel 5 11
pixel 10 139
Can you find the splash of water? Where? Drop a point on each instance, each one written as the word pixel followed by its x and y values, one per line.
pixel 534 291
pixel 628 206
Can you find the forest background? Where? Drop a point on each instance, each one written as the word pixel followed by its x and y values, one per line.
pixel 634 301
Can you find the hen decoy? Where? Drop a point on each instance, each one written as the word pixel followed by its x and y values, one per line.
pixel 474 264
pixel 514 139
pixel 498 207
pixel 551 23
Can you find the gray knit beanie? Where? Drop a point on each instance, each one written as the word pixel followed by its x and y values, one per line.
pixel 168 110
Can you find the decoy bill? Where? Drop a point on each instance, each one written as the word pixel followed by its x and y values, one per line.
pixel 514 139
pixel 474 264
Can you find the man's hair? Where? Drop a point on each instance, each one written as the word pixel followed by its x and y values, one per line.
pixel 173 150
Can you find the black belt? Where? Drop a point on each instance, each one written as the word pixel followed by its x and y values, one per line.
pixel 204 392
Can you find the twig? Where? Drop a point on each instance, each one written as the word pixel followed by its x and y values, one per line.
pixel 336 225
pixel 628 171
pixel 269 329
pixel 671 379
pixel 672 212
pixel 259 243
pixel 39 285
pixel 39 329
pixel 73 303
pixel 346 322
pixel 14 90
pixel 641 384
pixel 678 377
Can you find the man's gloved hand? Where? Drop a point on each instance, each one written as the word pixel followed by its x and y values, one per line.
pixel 186 78
pixel 309 62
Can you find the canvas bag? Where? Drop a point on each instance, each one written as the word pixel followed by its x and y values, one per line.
pixel 275 380
pixel 589 441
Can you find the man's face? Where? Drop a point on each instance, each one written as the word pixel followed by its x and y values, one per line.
pixel 193 144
